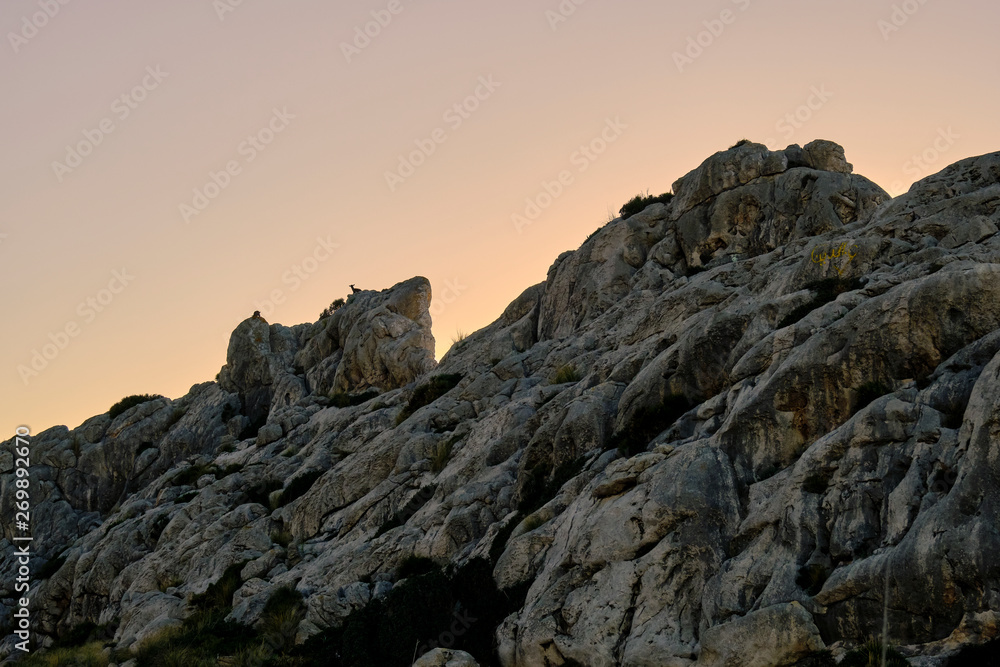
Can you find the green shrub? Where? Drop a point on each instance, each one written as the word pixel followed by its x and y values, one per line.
pixel 869 654
pixel 532 522
pixel 87 655
pixel 342 399
pixel 649 422
pixel 279 621
pixel 299 486
pixel 441 456
pixel 130 402
pixel 427 393
pixel 281 537
pixel 566 373
pixel 332 308
pixel 198 642
pixel 639 203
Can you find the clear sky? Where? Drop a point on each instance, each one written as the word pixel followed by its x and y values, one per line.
pixel 169 167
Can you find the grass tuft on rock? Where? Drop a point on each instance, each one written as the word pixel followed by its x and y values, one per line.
pixel 566 373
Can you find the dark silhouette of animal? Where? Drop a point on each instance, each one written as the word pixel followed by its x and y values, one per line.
pixel 354 290
pixel 256 314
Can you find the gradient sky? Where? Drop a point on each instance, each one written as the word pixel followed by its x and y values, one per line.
pixel 920 84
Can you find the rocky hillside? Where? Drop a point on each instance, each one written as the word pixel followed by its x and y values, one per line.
pixel 735 429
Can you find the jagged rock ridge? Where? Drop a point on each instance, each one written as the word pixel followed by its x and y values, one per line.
pixel 833 422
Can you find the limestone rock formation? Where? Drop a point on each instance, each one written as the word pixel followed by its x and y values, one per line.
pixel 733 429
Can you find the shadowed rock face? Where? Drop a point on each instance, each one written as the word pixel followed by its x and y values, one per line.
pixel 379 340
pixel 743 203
pixel 800 426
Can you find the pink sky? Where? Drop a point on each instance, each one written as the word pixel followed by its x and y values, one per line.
pixel 262 107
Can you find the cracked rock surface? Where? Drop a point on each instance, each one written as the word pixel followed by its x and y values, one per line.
pixel 744 450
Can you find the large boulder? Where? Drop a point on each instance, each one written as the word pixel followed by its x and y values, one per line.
pixel 378 339
pixel 260 355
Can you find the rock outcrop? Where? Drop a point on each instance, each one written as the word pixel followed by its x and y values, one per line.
pixel 733 429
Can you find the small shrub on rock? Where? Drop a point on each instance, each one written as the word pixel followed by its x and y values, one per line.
pixel 639 203
pixel 332 308
pixel 129 402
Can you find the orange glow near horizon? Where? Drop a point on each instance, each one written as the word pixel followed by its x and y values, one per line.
pixel 179 165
